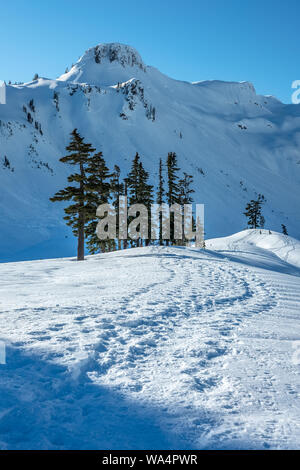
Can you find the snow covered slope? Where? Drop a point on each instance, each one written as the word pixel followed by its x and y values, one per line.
pixel 235 143
pixel 284 247
pixel 201 352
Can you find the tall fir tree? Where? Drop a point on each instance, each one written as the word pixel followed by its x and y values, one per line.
pixel 145 195
pixel 117 190
pixel 160 199
pixel 140 191
pixel 133 180
pixel 172 171
pixel 185 197
pixel 125 241
pixel 185 190
pixel 98 192
pixel 133 188
pixel 173 188
pixel 253 212
pixel 79 154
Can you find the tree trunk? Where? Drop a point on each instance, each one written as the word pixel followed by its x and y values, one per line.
pixel 160 230
pixel 80 247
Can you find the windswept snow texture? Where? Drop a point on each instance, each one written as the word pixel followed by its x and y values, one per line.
pixel 234 142
pixel 153 348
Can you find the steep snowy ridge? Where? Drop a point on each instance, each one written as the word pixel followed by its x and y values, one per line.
pixel 234 142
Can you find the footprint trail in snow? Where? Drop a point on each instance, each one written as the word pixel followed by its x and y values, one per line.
pixel 151 348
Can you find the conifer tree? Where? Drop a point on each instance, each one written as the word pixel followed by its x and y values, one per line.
pixel 117 190
pixel 133 187
pixel 125 242
pixel 172 170
pixel 185 190
pixel 145 195
pixel 133 180
pixel 253 212
pixel 79 153
pixel 160 198
pixel 173 188
pixel 98 192
pixel 185 196
pixel 140 192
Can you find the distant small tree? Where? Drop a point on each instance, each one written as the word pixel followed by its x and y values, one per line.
pixel 31 105
pixel 56 100
pixel 284 229
pixel 6 162
pixel 253 212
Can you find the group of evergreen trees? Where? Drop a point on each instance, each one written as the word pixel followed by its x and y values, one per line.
pixel 92 184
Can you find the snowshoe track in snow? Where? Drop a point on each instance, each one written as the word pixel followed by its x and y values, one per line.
pixel 200 342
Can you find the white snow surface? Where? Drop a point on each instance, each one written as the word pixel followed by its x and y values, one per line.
pixel 156 348
pixel 234 142
pixel 286 248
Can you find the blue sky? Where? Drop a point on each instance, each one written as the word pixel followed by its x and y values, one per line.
pixel 188 39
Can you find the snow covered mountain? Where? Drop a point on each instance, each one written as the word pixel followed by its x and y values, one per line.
pixel 107 357
pixel 234 142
